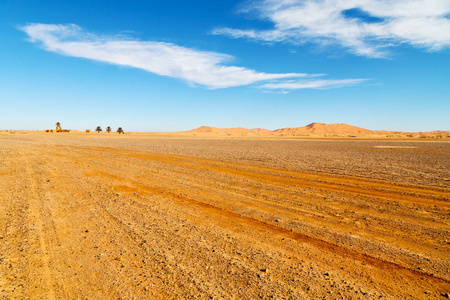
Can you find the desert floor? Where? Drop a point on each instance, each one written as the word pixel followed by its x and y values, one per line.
pixel 108 216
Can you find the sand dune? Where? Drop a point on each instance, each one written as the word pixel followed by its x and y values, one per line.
pixel 317 130
pixel 261 130
pixel 322 128
pixel 215 130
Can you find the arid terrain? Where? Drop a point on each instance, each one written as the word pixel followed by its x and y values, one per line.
pixel 108 216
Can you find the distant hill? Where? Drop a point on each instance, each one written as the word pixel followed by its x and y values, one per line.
pixel 322 128
pixel 261 130
pixel 314 129
pixel 215 130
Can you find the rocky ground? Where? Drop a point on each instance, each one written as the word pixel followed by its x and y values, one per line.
pixel 140 217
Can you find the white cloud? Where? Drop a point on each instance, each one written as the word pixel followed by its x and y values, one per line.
pixel 420 23
pixel 312 84
pixel 196 67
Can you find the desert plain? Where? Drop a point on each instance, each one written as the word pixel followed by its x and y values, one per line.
pixel 145 216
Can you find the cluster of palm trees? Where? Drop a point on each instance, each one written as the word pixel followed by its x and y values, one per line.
pixel 98 129
pixel 108 129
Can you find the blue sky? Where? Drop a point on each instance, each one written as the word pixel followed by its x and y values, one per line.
pixel 177 65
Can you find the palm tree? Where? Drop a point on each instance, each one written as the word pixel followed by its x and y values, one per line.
pixel 98 129
pixel 120 130
pixel 108 129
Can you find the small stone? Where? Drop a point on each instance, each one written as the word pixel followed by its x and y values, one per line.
pixel 264 269
pixel 447 295
pixel 278 221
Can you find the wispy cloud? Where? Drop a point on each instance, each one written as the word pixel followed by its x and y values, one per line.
pixel 312 84
pixel 197 67
pixel 364 27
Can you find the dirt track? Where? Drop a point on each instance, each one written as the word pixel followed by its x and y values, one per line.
pixel 109 217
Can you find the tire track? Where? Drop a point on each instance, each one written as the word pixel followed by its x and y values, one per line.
pixel 291 203
pixel 164 189
pixel 36 213
pixel 302 238
pixel 350 185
